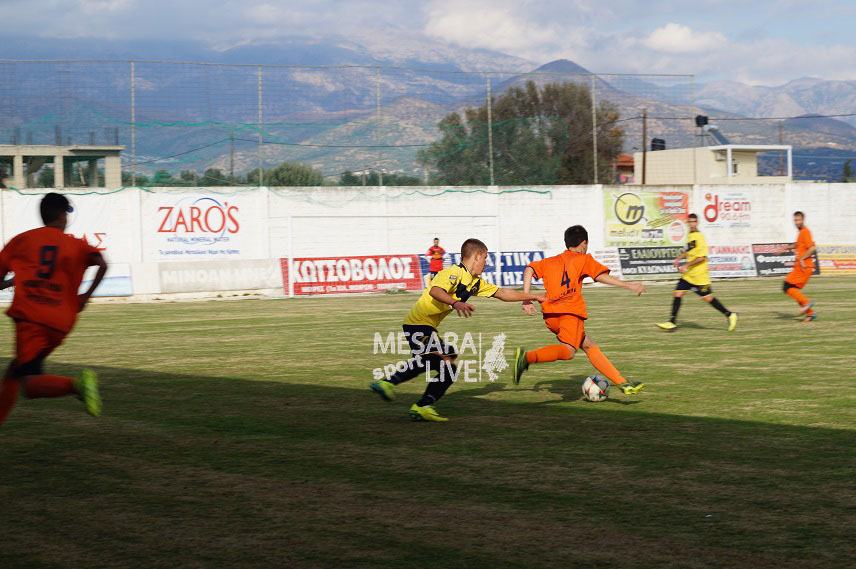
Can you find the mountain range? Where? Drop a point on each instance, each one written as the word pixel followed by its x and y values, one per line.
pixel 195 116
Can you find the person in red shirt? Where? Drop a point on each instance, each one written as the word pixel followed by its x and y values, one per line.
pixel 435 258
pixel 565 309
pixel 804 249
pixel 48 267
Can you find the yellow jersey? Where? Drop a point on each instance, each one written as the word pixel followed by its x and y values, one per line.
pixel 458 282
pixel 697 248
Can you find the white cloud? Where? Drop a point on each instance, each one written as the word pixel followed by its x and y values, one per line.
pixel 96 6
pixel 497 25
pixel 675 38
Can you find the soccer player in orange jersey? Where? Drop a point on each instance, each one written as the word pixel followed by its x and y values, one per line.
pixel 803 267
pixel 48 267
pixel 565 309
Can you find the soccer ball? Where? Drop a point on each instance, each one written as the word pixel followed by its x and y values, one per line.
pixel 595 388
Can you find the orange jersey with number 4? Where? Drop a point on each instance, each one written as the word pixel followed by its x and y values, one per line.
pixel 48 267
pixel 563 281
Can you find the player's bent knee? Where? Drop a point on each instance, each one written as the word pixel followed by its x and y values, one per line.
pixel 708 298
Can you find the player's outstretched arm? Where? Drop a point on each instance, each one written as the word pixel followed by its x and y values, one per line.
pixel 528 275
pixel 605 278
pixel 462 308
pixel 510 295
pixel 97 260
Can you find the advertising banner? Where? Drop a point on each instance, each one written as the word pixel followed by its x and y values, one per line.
pixel 207 276
pixel 648 262
pixel 202 226
pixel 334 275
pixel 511 271
pixel 645 218
pixel 609 257
pixel 727 208
pixel 725 261
pixel 839 259
pixel 775 259
pixel 106 221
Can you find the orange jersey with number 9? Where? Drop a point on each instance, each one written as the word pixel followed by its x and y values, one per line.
pixel 563 280
pixel 48 267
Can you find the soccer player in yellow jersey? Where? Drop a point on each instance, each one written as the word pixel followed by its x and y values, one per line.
pixel 696 277
pixel 450 290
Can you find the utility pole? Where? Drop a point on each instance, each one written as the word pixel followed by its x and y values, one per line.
pixel 133 125
pixel 782 155
pixel 644 142
pixel 489 130
pixel 377 126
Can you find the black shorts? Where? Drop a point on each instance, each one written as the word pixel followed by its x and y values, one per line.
pixel 701 290
pixel 424 340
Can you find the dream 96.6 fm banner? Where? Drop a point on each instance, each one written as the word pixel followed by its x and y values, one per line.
pixel 339 275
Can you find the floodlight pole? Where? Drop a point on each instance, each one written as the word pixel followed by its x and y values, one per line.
pixel 260 126
pixel 133 126
pixel 644 145
pixel 377 127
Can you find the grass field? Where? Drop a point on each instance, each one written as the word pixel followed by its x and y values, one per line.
pixel 242 434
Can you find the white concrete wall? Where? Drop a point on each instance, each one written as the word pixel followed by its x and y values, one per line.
pixel 200 240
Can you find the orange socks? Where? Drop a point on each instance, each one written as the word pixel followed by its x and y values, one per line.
pixel 602 364
pixel 798 296
pixel 37 386
pixel 8 396
pixel 549 354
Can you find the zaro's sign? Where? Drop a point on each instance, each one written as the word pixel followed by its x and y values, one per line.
pixel 330 275
pixel 204 217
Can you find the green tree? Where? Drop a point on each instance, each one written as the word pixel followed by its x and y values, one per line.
pixel 348 178
pixel 163 178
pixel 214 177
pixel 541 135
pixel 288 174
pixel 847 172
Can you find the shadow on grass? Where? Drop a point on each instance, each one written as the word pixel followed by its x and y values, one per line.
pixel 198 471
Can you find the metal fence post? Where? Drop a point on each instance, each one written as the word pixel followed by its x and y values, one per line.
pixel 594 124
pixel 133 125
pixel 260 127
pixel 490 129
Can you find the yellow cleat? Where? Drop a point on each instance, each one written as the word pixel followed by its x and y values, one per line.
pixel 87 390
pixel 732 321
pixel 426 413
pixel 383 388
pixel 667 326
pixel 631 388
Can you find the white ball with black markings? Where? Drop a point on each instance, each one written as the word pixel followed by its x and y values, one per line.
pixel 595 388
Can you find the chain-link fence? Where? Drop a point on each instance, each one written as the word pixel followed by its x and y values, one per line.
pixel 188 123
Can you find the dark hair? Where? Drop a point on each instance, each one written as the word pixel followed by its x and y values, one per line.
pixel 436 239
pixel 692 216
pixel 472 246
pixel 575 235
pixel 799 213
pixel 52 206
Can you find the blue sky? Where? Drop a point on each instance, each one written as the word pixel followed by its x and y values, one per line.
pixel 758 41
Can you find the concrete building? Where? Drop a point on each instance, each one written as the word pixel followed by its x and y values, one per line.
pixel 20 164
pixel 721 164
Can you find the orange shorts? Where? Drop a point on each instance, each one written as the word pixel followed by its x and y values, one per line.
pixel 798 277
pixel 568 328
pixel 34 342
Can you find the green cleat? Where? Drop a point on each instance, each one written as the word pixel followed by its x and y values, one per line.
pixel 426 413
pixel 631 388
pixel 732 321
pixel 87 391
pixel 520 364
pixel 383 388
pixel 667 326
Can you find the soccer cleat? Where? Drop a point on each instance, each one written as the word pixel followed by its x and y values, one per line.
pixel 631 388
pixel 811 317
pixel 383 388
pixel 732 321
pixel 426 413
pixel 87 391
pixel 520 364
pixel 667 326
pixel 806 308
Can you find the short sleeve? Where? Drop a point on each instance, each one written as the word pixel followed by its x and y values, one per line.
pixel 592 268
pixel 536 266
pixel 86 249
pixel 6 255
pixel 447 279
pixel 807 238
pixel 487 289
